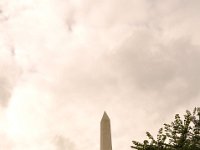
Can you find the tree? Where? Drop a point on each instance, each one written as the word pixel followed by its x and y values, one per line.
pixel 179 135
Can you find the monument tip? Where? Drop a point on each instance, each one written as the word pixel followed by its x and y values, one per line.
pixel 105 136
pixel 105 116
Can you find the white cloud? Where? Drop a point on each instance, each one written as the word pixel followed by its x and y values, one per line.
pixel 68 61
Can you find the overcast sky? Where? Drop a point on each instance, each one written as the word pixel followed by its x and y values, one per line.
pixel 64 62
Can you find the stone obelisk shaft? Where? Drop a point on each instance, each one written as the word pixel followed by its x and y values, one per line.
pixel 105 139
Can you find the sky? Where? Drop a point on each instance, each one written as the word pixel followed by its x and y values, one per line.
pixel 64 62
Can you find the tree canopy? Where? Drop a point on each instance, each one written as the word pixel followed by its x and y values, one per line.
pixel 181 134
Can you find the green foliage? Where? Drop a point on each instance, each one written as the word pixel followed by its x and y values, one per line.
pixel 179 135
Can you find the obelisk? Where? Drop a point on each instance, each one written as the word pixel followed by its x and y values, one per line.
pixel 105 137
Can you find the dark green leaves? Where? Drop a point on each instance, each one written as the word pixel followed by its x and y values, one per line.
pixel 179 135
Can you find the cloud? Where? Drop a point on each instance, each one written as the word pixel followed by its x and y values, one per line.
pixel 162 54
pixel 170 69
pixel 8 77
pixel 63 143
pixel 6 143
pixel 68 61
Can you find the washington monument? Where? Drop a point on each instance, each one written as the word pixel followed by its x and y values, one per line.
pixel 105 136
